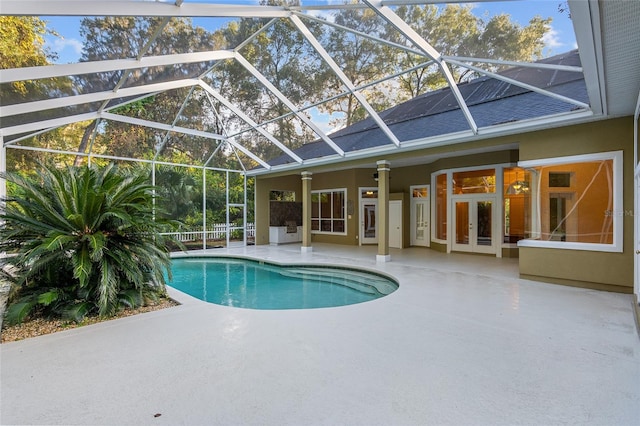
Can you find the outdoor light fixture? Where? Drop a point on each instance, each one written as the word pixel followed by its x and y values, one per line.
pixel 375 176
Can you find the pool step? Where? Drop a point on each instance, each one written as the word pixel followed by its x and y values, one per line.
pixel 359 281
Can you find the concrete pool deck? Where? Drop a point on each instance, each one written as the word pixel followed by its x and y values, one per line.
pixel 463 341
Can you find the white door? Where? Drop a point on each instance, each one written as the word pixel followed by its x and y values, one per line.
pixel 395 224
pixel 368 221
pixel 473 224
pixel 420 222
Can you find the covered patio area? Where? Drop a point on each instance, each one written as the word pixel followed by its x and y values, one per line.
pixel 462 341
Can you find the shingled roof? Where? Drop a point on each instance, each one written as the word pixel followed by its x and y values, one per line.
pixel 490 101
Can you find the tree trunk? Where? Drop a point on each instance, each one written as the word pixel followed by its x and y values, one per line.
pixel 84 142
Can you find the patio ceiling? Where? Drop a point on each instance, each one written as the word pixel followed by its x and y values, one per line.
pixel 606 33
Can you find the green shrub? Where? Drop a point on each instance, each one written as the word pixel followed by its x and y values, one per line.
pixel 81 241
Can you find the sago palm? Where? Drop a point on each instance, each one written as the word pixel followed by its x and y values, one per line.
pixel 84 240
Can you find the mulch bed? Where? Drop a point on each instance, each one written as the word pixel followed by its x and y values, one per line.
pixel 40 326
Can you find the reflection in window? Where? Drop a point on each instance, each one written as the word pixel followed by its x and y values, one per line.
pixel 573 202
pixel 419 192
pixel 328 211
pixel 517 184
pixel 474 182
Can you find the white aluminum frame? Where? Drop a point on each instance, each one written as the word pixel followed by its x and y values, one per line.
pixel 345 200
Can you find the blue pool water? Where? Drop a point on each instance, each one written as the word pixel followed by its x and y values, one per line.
pixel 252 284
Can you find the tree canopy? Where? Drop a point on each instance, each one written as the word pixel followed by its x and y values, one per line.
pixel 456 31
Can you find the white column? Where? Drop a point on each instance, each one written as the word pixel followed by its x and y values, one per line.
pixel 3 170
pixel 204 208
pixel 244 210
pixel 636 204
pixel 3 183
pixel 306 212
pixel 228 225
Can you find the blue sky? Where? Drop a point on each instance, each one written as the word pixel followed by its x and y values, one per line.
pixel 560 39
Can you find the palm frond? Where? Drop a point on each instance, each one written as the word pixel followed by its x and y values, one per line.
pixel 18 311
pixel 82 237
pixel 77 311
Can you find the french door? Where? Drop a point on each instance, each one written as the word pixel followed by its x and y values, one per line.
pixel 420 234
pixel 473 224
pixel 368 221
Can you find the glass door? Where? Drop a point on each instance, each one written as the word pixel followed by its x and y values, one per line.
pixel 368 222
pixel 420 212
pixel 368 215
pixel 473 225
pixel 462 225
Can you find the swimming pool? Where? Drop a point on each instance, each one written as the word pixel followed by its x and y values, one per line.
pixel 252 284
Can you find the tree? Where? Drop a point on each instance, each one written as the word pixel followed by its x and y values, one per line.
pixel 126 37
pixel 22 45
pixel 176 192
pixel 362 60
pixel 456 31
pixel 84 241
pixel 289 62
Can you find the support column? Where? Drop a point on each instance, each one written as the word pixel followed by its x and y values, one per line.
pixel 306 212
pixel 383 211
pixel 3 170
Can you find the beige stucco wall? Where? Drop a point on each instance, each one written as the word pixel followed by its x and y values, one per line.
pixel 336 180
pixel 610 271
pixel 263 188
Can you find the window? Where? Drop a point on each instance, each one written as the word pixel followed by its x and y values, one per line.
pixel 517 184
pixel 559 180
pixel 474 182
pixel 441 207
pixel 419 192
pixel 575 202
pixel 328 211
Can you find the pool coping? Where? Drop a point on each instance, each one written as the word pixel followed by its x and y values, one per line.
pixel 176 255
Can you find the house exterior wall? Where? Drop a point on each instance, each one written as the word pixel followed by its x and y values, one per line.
pixel 591 269
pixel 263 188
pixel 336 180
pixel 599 270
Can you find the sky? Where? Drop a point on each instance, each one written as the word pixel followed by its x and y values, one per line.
pixel 560 39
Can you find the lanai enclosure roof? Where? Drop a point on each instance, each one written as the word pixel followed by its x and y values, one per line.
pixel 600 79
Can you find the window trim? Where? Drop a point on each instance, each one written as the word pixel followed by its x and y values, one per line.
pixel 344 207
pixel 618 202
pixel 433 202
